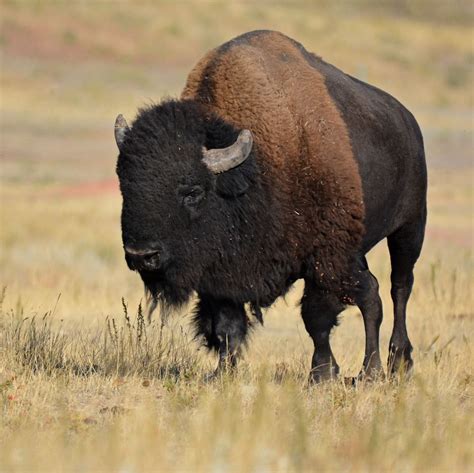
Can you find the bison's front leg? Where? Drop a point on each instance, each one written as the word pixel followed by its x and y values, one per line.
pixel 224 327
pixel 319 311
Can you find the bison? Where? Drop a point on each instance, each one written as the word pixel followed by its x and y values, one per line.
pixel 274 166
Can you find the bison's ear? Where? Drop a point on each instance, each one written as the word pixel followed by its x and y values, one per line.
pixel 223 159
pixel 121 129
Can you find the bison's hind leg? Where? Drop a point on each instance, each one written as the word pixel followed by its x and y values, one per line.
pixel 319 310
pixel 368 300
pixel 224 326
pixel 405 247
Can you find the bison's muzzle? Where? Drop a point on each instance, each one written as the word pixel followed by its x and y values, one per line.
pixel 149 259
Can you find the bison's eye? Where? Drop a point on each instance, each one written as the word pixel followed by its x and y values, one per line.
pixel 191 195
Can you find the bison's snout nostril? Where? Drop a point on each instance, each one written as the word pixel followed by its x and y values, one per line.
pixel 142 259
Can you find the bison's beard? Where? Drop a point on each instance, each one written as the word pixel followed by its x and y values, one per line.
pixel 161 292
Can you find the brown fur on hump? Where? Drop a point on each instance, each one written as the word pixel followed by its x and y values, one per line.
pixel 262 81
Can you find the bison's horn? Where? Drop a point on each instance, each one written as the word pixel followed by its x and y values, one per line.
pixel 121 128
pixel 223 159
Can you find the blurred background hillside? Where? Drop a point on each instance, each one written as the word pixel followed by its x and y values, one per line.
pixel 68 68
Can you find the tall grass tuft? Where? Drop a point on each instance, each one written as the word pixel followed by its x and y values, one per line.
pixel 123 346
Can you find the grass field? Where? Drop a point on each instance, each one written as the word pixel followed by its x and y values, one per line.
pixel 85 385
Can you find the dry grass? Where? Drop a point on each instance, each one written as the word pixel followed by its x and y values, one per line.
pixel 86 385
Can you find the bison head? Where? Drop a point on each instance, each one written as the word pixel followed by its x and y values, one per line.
pixel 183 173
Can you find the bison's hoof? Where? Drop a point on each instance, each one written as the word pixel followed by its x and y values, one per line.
pixel 324 373
pixel 400 368
pixel 223 369
pixel 370 375
pixel 400 363
pixel 211 376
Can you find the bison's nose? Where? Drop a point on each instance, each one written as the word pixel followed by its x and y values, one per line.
pixel 148 259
